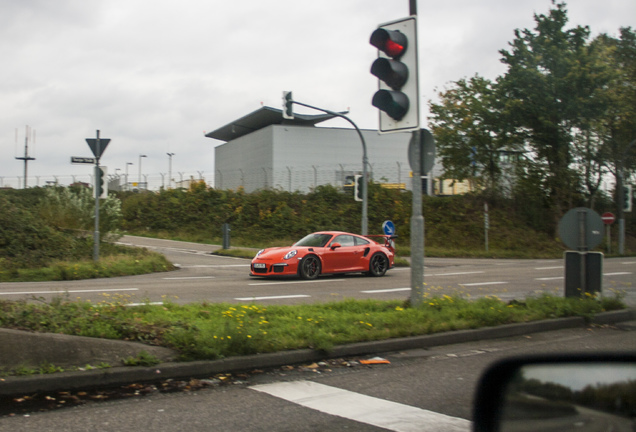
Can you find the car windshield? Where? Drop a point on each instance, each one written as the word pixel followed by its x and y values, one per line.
pixel 316 240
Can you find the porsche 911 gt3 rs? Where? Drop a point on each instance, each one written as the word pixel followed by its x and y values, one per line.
pixel 327 252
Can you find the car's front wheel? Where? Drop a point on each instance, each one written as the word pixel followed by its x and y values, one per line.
pixel 378 265
pixel 310 267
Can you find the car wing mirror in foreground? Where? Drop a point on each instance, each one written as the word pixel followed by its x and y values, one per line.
pixel 334 246
pixel 558 393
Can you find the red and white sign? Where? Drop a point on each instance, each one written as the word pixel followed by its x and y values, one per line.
pixel 608 218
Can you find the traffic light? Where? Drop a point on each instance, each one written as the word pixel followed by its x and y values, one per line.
pixel 101 182
pixel 396 70
pixel 358 188
pixel 627 198
pixel 288 112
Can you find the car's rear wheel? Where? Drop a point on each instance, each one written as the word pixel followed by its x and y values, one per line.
pixel 378 265
pixel 310 267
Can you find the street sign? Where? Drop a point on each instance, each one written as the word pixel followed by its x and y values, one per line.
pixel 608 218
pixel 388 227
pixel 97 151
pixel 427 151
pixel 581 229
pixel 82 160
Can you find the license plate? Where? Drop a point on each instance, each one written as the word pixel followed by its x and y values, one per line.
pixel 259 265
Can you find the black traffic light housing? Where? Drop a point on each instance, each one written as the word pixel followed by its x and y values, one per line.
pixel 101 183
pixel 627 198
pixel 396 69
pixel 288 112
pixel 358 188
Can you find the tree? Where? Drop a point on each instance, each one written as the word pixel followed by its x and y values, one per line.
pixel 469 133
pixel 617 126
pixel 550 92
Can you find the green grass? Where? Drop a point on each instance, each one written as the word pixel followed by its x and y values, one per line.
pixel 123 261
pixel 209 331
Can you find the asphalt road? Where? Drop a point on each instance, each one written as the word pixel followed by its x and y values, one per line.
pixel 203 276
pixel 424 390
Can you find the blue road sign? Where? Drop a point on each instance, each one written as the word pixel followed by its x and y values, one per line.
pixel 388 227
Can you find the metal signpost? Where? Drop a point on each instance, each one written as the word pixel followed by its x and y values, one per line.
pixel 582 229
pixel 97 146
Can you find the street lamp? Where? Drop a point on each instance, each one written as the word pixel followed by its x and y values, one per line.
pixel 127 163
pixel 139 181
pixel 170 169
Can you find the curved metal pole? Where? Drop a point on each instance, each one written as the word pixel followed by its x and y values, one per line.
pixel 365 162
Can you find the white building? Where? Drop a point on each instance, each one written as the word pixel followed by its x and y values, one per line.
pixel 263 150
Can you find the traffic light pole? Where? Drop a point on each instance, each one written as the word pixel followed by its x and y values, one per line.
pixel 417 226
pixel 365 162
pixel 620 194
pixel 97 194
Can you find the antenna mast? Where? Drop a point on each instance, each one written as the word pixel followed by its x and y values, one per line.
pixel 26 157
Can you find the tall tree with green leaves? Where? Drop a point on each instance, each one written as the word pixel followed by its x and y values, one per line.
pixel 469 133
pixel 616 128
pixel 550 94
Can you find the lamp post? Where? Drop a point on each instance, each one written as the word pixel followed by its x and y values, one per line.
pixel 127 163
pixel 139 180
pixel 170 169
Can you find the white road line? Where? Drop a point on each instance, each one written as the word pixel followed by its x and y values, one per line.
pixel 379 291
pixel 189 277
pixel 364 409
pixel 295 282
pixel 215 265
pixel 483 283
pixel 550 278
pixel 457 274
pixel 629 262
pixel 271 297
pixel 548 268
pixel 617 274
pixel 70 291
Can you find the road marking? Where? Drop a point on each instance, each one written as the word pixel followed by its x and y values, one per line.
pixel 550 278
pixel 548 268
pixel 364 409
pixel 483 283
pixel 69 291
pixel 295 282
pixel 617 274
pixel 457 274
pixel 189 277
pixel 629 262
pixel 385 290
pixel 215 265
pixel 271 297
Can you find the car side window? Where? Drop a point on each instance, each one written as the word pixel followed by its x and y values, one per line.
pixel 360 241
pixel 345 240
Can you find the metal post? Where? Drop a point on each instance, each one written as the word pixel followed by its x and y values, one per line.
pixel 96 232
pixel 365 162
pixel 170 170
pixel 619 200
pixel 417 226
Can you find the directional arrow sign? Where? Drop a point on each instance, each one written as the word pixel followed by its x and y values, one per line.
pixel 98 150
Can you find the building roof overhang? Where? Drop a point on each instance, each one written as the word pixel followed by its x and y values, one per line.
pixel 261 118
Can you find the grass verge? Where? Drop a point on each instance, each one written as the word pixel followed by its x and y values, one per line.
pixel 207 331
pixel 120 261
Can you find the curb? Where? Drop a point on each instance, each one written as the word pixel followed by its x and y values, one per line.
pixel 119 376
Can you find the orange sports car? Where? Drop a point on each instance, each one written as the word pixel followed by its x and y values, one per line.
pixel 327 252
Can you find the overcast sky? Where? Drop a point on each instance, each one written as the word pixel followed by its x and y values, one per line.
pixel 153 76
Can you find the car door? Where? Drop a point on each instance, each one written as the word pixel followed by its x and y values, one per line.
pixel 343 258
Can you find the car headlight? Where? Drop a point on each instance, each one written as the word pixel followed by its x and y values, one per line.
pixel 259 252
pixel 290 254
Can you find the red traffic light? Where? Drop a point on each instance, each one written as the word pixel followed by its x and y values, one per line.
pixel 391 42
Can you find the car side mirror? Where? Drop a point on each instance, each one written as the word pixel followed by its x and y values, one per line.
pixel 562 392
pixel 335 245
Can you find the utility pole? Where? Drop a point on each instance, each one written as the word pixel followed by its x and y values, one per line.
pixel 26 157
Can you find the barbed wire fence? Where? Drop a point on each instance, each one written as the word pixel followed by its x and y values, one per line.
pixel 291 179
